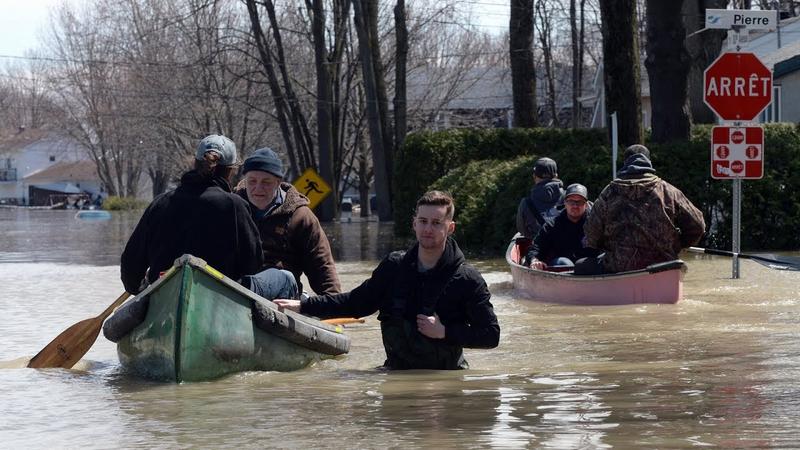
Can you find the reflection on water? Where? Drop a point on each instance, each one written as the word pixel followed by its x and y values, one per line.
pixel 720 368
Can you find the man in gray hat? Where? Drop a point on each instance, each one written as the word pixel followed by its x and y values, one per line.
pixel 200 217
pixel 541 204
pixel 562 242
pixel 292 238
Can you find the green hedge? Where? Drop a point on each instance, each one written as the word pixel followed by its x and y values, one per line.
pixel 488 171
pixel 114 203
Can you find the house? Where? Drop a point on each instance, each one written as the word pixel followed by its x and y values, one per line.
pixel 780 51
pixel 25 152
pixel 441 98
pixel 63 182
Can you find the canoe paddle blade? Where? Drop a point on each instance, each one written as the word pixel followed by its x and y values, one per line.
pixel 70 346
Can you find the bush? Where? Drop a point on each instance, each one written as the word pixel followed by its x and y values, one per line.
pixel 114 203
pixel 489 171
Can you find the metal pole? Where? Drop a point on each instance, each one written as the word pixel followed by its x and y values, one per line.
pixel 737 225
pixel 614 145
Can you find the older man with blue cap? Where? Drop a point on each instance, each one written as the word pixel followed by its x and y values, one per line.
pixel 201 217
pixel 291 235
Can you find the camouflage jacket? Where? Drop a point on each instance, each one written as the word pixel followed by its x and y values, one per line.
pixel 641 221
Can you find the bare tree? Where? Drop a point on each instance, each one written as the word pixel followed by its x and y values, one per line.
pixel 668 68
pixel 523 73
pixel 703 47
pixel 544 25
pixel 366 27
pixel 622 77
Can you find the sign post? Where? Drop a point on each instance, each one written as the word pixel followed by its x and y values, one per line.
pixel 738 87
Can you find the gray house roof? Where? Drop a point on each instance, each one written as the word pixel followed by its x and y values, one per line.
pixel 477 88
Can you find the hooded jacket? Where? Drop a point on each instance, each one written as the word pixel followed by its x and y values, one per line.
pixel 543 199
pixel 201 217
pixel 640 219
pixel 293 239
pixel 399 291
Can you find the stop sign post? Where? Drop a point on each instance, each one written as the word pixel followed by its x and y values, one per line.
pixel 737 86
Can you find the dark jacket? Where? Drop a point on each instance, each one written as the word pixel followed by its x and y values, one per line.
pixel 201 217
pixel 398 291
pixel 640 219
pixel 543 200
pixel 293 239
pixel 562 238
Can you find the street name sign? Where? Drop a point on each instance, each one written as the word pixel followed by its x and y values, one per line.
pixel 737 86
pixel 737 152
pixel 741 18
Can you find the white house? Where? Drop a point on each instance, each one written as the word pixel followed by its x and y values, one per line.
pixel 26 152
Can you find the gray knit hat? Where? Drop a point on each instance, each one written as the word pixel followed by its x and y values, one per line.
pixel 220 145
pixel 266 160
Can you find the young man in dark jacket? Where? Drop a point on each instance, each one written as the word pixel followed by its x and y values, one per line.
pixel 292 238
pixel 562 242
pixel 201 217
pixel 430 302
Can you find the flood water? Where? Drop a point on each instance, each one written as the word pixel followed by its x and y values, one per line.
pixel 721 368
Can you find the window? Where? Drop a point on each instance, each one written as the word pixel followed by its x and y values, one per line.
pixel 773 112
pixel 52 158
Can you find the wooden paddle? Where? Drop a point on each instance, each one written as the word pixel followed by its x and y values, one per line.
pixel 70 346
pixel 769 260
pixel 343 321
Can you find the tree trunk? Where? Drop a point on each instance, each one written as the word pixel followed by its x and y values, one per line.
pixel 379 147
pixel 621 73
pixel 577 62
pixel 523 73
pixel 703 48
pixel 275 89
pixel 328 208
pixel 668 68
pixel 401 38
pixel 545 38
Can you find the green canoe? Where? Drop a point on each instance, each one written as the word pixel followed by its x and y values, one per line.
pixel 196 324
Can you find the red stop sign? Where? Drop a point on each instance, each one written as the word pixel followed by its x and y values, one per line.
pixel 737 86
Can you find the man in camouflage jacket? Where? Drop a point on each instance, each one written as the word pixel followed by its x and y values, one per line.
pixel 640 219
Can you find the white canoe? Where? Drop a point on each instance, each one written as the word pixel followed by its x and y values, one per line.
pixel 658 283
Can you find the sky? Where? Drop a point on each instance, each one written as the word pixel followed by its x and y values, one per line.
pixel 22 21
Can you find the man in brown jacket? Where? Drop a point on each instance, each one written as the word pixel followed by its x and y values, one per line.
pixel 639 219
pixel 291 235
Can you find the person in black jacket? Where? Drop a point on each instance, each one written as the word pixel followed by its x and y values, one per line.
pixel 544 201
pixel 430 302
pixel 201 217
pixel 562 242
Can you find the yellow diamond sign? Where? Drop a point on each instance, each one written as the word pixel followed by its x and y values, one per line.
pixel 312 186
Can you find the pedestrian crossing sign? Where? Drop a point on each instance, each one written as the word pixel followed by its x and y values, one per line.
pixel 312 186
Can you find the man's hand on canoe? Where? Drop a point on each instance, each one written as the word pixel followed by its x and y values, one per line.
pixel 284 303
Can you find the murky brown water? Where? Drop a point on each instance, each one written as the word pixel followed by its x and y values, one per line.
pixel 721 368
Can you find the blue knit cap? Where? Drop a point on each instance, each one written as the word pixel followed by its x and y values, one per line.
pixel 266 160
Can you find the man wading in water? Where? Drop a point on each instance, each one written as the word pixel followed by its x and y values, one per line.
pixel 430 302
